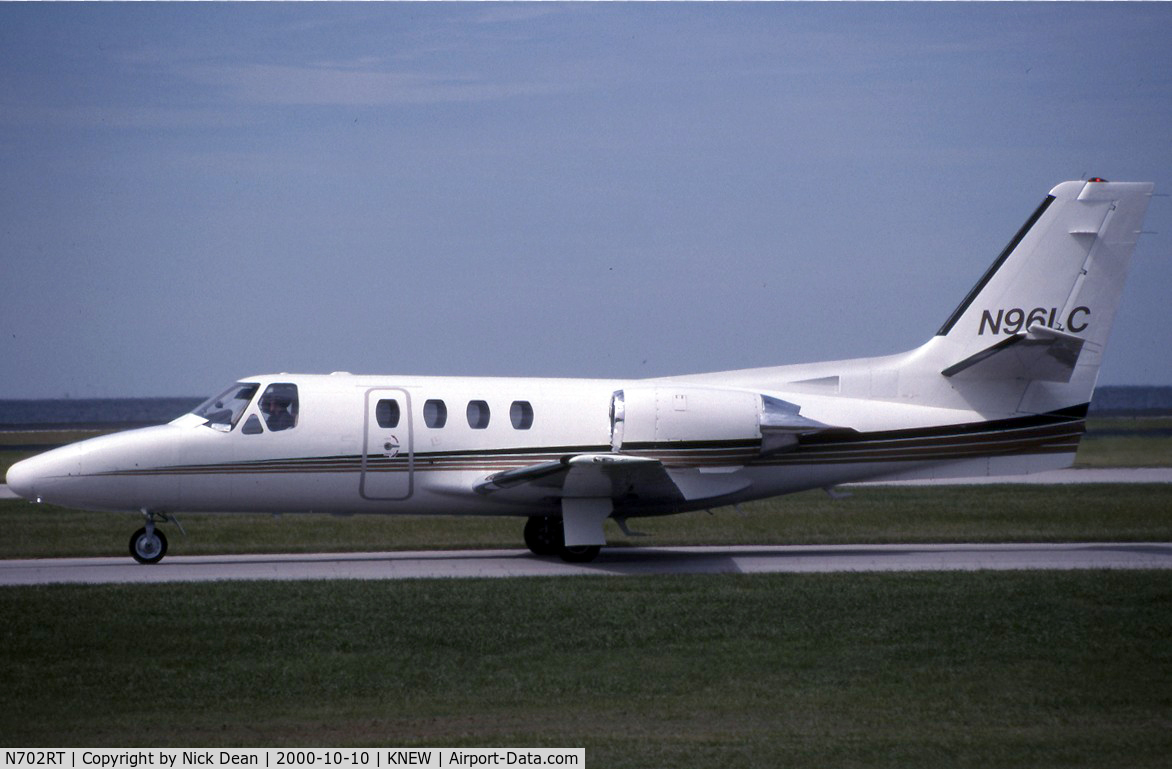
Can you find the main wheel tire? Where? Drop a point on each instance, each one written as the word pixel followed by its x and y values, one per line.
pixel 148 548
pixel 580 554
pixel 543 535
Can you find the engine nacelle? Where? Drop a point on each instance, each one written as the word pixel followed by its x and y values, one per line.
pixel 643 416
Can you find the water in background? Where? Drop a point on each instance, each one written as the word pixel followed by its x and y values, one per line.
pixel 103 413
pixel 92 413
pixel 1132 400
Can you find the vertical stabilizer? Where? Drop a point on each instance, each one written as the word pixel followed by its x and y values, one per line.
pixel 1041 314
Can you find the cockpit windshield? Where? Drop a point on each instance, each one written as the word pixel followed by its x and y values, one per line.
pixel 223 411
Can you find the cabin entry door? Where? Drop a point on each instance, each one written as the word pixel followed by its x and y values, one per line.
pixel 388 454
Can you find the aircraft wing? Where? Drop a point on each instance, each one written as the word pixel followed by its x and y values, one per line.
pixel 612 476
pixel 1041 353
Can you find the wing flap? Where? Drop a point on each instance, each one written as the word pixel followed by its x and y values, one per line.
pixel 616 476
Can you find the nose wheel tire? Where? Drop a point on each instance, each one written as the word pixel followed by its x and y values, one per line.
pixel 148 547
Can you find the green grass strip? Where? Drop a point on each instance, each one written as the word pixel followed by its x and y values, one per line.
pixel 900 670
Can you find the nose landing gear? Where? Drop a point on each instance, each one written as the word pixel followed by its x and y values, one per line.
pixel 148 545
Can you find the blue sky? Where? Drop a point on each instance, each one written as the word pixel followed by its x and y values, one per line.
pixel 193 193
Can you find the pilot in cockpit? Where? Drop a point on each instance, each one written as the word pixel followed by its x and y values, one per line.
pixel 276 412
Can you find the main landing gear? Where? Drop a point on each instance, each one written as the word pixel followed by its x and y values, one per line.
pixel 148 544
pixel 544 535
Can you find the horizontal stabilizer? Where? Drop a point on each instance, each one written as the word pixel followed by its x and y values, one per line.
pixel 1041 353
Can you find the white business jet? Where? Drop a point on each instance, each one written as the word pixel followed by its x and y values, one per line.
pixel 1001 388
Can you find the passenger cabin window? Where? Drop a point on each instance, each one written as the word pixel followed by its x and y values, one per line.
pixel 521 415
pixel 435 413
pixel 223 411
pixel 278 405
pixel 477 415
pixel 386 413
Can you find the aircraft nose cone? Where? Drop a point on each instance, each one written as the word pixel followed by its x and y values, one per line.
pixel 22 478
pixel 38 478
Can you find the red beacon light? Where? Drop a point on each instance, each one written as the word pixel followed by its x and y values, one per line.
pixel 1096 179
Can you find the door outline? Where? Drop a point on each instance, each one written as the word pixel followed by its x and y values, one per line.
pixel 380 486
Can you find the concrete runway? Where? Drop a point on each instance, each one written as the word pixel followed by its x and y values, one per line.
pixel 615 561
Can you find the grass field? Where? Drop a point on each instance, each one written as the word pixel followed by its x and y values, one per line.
pixel 1126 442
pixel 1017 669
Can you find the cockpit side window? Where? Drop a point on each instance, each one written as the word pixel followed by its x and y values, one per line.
pixel 279 406
pixel 223 411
